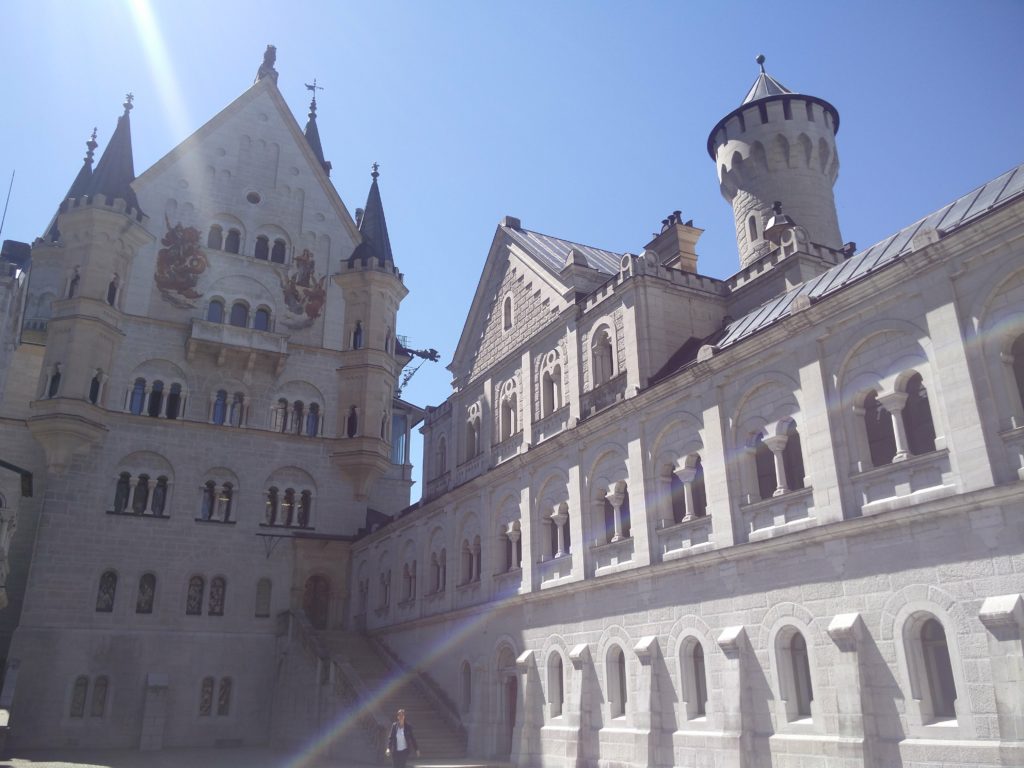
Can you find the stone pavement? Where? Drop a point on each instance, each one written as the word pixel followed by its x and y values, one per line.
pixel 239 757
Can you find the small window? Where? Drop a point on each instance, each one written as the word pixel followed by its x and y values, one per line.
pixel 272 506
pixel 617 683
pixel 224 502
pixel 217 589
pixel 122 492
pixel 236 413
pixel 105 593
pixel 215 240
pixel 112 292
pixel 224 697
pixel 147 594
pixel 556 689
pixel 700 681
pixel 261 320
pixel 234 241
pixel 239 315
pixel 917 418
pixel 357 336
pixel 313 420
pixel 752 228
pixel 73 284
pixel 305 508
pixel 94 388
pixel 938 671
pixel 793 459
pixel 138 397
pixel 220 406
pixel 442 456
pixel 54 386
pixel 506 314
pixel 156 399
pixel 209 500
pixel 215 311
pixel 194 601
pixel 262 248
pixel 253 197
pixel 173 402
pixel 880 434
pixel 801 671
pixel 206 697
pixel 140 499
pixel 298 414
pixel 79 694
pixel 764 463
pixel 159 502
pixel 278 252
pixel 352 423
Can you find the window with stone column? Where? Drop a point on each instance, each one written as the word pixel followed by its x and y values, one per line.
pixel 615 515
pixel 777 459
pixel 217 497
pixel 878 428
pixel 686 490
pixel 162 397
pixel 511 540
pixel 143 491
pixel 560 542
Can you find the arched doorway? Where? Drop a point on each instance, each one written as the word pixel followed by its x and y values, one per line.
pixel 316 600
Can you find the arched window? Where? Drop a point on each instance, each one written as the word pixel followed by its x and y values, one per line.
pixel 700 496
pixel 509 414
pixel 225 500
pixel 73 284
pixel 159 502
pixel 138 397
pixel 140 500
pixel 156 399
pixel 277 253
pixel 618 691
pixel 279 416
pixel 878 425
pixel 305 508
pixel 236 414
pixel 627 526
pixel 357 336
pixel 272 506
pixel 147 593
pixel 473 437
pixel 793 459
pixel 261 320
pixel 209 500
pixel 224 697
pixel 298 412
pixel 466 679
pixel 677 494
pixel 79 694
pixel 215 311
pixel 601 355
pixel 764 464
pixel 556 689
pixel 239 315
pixel 112 291
pixel 94 387
pixel 800 668
pixel 551 391
pixel 54 386
pixel 263 592
pixel 215 239
pixel 217 589
pixel 105 593
pixel 352 423
pixel 313 420
pixel 99 696
pixel 233 243
pixel 696 682
pixel 220 406
pixel 940 690
pixel 122 492
pixel 206 697
pixel 173 401
pixel 288 506
pixel 194 600
pixel 752 228
pixel 917 417
pixel 262 248
pixel 506 314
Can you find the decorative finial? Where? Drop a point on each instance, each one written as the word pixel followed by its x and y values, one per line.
pixel 760 61
pixel 312 104
pixel 375 173
pixel 90 147
pixel 128 99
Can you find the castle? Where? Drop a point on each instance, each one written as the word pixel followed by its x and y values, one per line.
pixel 667 518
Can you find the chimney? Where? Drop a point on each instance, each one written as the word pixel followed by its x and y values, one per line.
pixel 676 243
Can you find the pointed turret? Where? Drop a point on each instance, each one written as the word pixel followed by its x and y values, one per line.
pixel 765 85
pixel 116 169
pixel 374 229
pixel 80 186
pixel 313 133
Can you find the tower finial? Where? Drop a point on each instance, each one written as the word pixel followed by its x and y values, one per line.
pixel 128 99
pixel 375 172
pixel 760 61
pixel 90 147
pixel 312 104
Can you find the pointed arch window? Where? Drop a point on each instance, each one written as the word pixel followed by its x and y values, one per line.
pixel 233 242
pixel 352 423
pixel 278 252
pixel 112 291
pixel 73 284
pixel 357 336
pixel 262 248
pixel 215 240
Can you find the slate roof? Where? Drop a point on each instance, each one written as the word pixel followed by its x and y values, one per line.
pixel 949 218
pixel 763 87
pixel 374 229
pixel 116 169
pixel 551 251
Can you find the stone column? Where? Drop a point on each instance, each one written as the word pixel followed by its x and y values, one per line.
pixel 686 476
pixel 893 402
pixel 615 499
pixel 1003 617
pixel 777 444
pixel 513 537
pixel 646 719
pixel 559 519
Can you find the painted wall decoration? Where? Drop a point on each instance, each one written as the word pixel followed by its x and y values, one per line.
pixel 304 292
pixel 179 264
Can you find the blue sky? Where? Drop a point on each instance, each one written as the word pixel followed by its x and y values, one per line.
pixel 586 120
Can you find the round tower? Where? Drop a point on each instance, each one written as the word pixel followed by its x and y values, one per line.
pixel 778 146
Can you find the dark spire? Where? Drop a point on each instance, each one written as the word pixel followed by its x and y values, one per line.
pixel 116 170
pixel 80 186
pixel 312 132
pixel 374 228
pixel 765 85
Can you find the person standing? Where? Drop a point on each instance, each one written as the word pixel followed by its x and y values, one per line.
pixel 401 741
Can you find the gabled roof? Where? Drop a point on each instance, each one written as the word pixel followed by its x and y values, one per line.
pixel 947 219
pixel 267 85
pixel 551 252
pixel 116 169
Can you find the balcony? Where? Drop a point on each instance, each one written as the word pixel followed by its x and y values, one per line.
pixel 902 483
pixel 686 538
pixel 554 570
pixel 613 556
pixel 239 346
pixel 550 425
pixel 471 468
pixel 609 393
pixel 779 515
pixel 507 448
pixel 437 487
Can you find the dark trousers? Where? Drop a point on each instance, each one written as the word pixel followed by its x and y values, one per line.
pixel 398 758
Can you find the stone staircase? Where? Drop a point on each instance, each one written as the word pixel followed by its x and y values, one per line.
pixel 387 687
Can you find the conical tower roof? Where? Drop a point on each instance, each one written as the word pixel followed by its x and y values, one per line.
pixel 765 85
pixel 374 228
pixel 313 133
pixel 116 169
pixel 80 186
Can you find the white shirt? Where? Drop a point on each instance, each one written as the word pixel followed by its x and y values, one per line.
pixel 400 745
